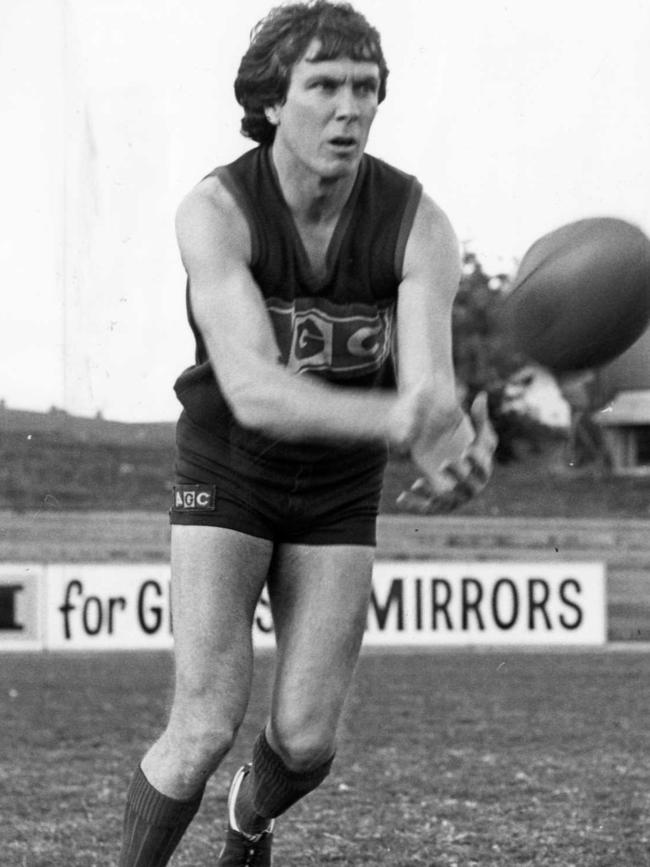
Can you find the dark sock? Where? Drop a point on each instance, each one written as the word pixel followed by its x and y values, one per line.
pixel 153 824
pixel 271 787
pixel 248 819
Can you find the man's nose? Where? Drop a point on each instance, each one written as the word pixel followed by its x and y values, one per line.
pixel 348 103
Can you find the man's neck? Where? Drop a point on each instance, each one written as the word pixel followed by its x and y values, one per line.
pixel 310 197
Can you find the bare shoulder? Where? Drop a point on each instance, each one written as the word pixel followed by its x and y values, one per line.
pixel 209 217
pixel 433 245
pixel 432 232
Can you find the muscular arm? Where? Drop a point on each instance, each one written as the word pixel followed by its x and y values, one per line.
pixel 426 295
pixel 454 453
pixel 230 312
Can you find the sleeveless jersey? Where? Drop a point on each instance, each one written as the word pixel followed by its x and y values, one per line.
pixel 339 325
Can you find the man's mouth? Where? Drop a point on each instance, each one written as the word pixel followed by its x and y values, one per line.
pixel 343 142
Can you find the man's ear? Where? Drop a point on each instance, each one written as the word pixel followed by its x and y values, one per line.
pixel 272 114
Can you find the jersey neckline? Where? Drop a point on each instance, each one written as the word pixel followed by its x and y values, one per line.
pixel 332 254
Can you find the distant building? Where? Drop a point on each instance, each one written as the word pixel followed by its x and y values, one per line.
pixel 534 393
pixel 622 398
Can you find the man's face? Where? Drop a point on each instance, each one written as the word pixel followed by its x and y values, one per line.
pixel 324 123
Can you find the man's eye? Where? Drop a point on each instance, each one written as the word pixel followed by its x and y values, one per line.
pixel 321 84
pixel 366 88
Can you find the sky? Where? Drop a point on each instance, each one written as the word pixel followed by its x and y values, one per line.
pixel 517 117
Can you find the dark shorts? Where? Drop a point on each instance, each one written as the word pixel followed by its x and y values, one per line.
pixel 239 481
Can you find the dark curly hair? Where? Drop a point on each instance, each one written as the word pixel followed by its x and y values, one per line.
pixel 280 39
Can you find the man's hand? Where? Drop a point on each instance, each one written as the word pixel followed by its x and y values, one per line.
pixel 457 463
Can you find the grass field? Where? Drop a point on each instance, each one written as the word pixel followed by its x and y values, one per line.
pixel 447 758
pixel 473 759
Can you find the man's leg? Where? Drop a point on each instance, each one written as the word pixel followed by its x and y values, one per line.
pixel 319 597
pixel 217 576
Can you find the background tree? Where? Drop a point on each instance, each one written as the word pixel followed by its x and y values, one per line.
pixel 484 357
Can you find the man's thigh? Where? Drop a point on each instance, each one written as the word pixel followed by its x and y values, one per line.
pixel 319 598
pixel 217 577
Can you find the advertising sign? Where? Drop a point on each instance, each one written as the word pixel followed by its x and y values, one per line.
pixel 20 606
pixel 487 603
pixel 107 606
pixel 413 603
pixel 118 607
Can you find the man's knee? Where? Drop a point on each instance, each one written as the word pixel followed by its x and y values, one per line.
pixel 202 732
pixel 275 785
pixel 302 743
pixel 208 744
